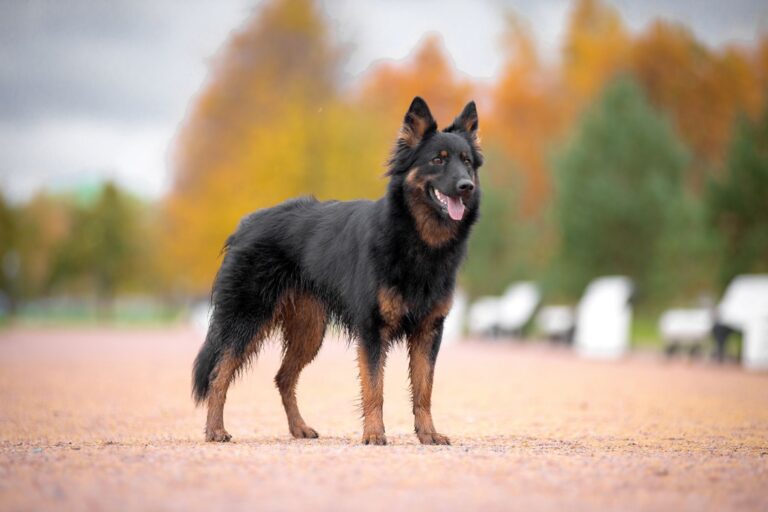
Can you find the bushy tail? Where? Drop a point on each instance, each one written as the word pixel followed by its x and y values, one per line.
pixel 205 363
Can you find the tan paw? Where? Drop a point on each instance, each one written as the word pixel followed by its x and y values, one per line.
pixel 375 438
pixel 432 438
pixel 303 432
pixel 218 435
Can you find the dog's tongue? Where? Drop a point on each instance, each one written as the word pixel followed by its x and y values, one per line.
pixel 455 208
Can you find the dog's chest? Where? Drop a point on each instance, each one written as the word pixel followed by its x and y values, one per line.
pixel 402 312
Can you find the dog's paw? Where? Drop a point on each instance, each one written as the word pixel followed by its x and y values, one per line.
pixel 218 436
pixel 303 432
pixel 433 438
pixel 375 438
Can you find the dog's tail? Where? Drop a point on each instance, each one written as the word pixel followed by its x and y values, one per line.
pixel 205 363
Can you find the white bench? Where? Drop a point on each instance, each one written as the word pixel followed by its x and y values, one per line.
pixel 516 307
pixel 482 316
pixel 603 318
pixel 743 308
pixel 556 322
pixel 685 328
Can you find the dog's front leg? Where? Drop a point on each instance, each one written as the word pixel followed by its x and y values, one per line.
pixel 371 356
pixel 423 347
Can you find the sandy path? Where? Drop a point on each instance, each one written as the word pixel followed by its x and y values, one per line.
pixel 102 420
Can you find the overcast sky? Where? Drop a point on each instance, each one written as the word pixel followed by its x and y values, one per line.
pixel 96 89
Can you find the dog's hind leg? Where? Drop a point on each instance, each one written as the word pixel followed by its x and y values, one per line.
pixel 218 363
pixel 304 321
pixel 217 395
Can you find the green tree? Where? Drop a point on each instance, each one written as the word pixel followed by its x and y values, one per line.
pixel 9 254
pixel 618 181
pixel 102 250
pixel 738 204
pixel 491 263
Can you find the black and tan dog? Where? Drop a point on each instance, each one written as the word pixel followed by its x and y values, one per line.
pixel 382 270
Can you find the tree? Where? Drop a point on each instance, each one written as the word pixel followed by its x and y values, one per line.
pixel 703 94
pixel 528 115
pixel 596 49
pixel 738 203
pixel 268 126
pixel 101 251
pixel 390 87
pixel 617 180
pixel 9 255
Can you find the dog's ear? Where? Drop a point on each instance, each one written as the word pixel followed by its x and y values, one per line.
pixel 466 121
pixel 417 124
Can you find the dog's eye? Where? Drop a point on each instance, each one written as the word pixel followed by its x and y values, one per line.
pixel 437 161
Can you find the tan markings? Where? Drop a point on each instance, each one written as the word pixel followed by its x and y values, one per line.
pixel 303 320
pixel 411 134
pixel 443 154
pixel 392 309
pixel 217 395
pixel 421 373
pixel 373 397
pixel 414 179
pixel 226 370
pixel 229 366
pixel 434 230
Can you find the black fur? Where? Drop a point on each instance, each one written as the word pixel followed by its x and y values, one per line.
pixel 344 252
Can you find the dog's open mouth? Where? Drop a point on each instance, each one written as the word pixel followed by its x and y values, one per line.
pixel 453 205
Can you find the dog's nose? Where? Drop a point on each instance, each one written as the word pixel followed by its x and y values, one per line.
pixel 465 186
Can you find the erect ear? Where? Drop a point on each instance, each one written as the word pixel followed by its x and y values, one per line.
pixel 418 122
pixel 466 121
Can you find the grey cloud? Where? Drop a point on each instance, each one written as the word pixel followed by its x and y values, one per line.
pixel 120 59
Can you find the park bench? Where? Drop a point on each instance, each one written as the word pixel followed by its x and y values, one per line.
pixel 516 307
pixel 603 318
pixel 482 316
pixel 743 309
pixel 506 315
pixel 556 323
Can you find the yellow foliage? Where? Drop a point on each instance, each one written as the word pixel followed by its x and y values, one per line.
pixel 596 47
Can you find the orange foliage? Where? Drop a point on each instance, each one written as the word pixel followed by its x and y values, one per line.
pixel 389 87
pixel 703 90
pixel 527 115
pixel 596 47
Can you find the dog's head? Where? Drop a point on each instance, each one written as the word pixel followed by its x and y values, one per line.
pixel 437 171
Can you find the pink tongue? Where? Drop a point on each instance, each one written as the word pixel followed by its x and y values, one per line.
pixel 455 208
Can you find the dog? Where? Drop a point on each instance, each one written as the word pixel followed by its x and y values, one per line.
pixel 384 271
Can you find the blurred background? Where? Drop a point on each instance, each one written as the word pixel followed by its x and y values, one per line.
pixel 621 138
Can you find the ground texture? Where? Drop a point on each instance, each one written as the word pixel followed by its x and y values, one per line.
pixel 102 420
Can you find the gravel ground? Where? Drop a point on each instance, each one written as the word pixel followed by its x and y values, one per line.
pixel 97 419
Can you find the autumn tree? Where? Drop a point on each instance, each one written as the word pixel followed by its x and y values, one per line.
pixel 269 125
pixel 526 117
pixel 700 88
pixel 429 72
pixel 596 49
